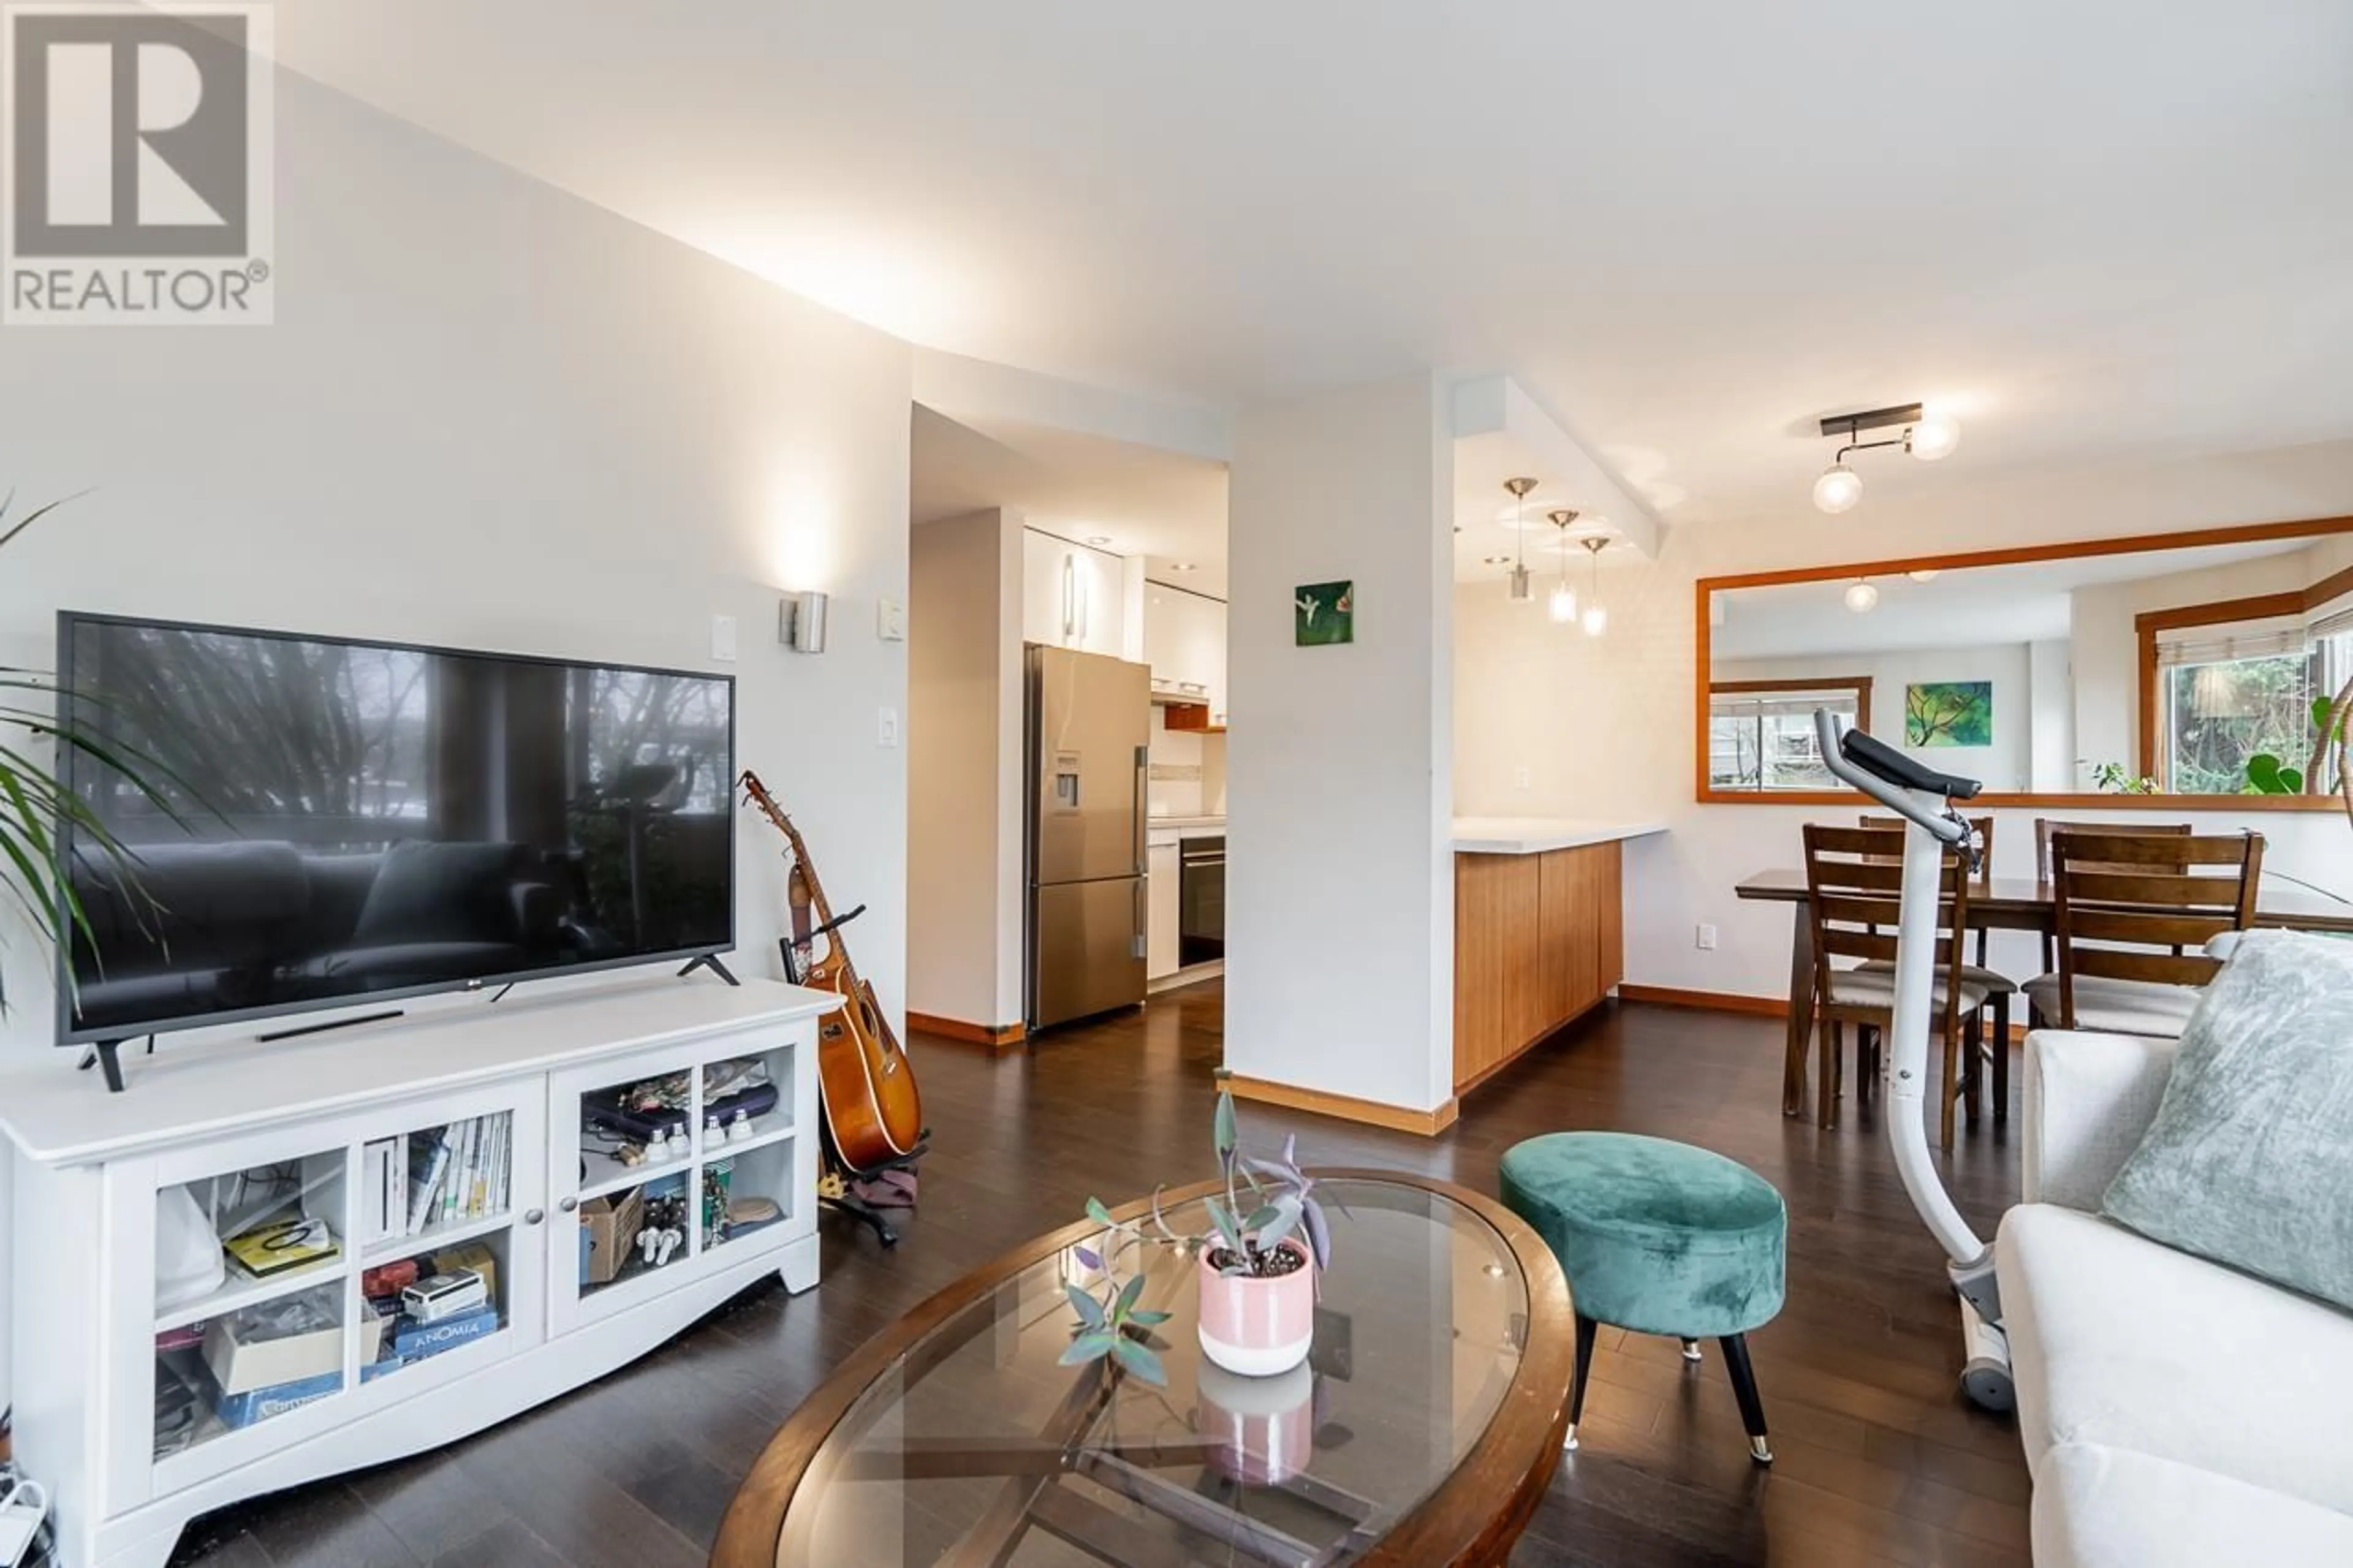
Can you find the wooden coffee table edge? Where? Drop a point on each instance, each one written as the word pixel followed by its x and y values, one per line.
pixel 1461 1524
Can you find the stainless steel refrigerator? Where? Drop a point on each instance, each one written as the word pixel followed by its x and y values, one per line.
pixel 1089 727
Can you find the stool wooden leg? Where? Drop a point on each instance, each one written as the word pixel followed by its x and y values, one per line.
pixel 1585 1329
pixel 1743 1388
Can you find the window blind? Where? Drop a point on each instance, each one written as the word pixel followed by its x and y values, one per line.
pixel 2268 638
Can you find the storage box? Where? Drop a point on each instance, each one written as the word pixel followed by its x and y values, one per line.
pixel 611 1225
pixel 476 1256
pixel 238 1410
pixel 412 1341
pixel 253 1349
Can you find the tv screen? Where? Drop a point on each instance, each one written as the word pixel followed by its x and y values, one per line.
pixel 343 820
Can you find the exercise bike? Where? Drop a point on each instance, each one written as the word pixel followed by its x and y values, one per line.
pixel 1924 797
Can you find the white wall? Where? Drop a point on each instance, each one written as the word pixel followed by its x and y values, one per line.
pixel 2005 765
pixel 1340 908
pixel 965 788
pixel 2051 696
pixel 1606 728
pixel 494 415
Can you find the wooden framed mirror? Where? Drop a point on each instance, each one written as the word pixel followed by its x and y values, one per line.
pixel 2155 672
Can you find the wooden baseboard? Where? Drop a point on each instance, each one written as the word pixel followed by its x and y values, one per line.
pixel 1733 1002
pixel 996 1040
pixel 1427 1123
pixel 1710 1001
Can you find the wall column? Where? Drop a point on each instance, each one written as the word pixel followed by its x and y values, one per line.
pixel 1340 874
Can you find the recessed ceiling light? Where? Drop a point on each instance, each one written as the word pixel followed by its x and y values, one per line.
pixel 1495 561
pixel 1183 566
pixel 1098 540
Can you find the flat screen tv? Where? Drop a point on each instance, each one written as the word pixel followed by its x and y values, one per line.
pixel 345 821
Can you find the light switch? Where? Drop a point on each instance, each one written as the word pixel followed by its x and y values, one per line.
pixel 723 637
pixel 890 621
pixel 886 728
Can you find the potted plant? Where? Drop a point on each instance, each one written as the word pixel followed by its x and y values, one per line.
pixel 34 802
pixel 1255 1269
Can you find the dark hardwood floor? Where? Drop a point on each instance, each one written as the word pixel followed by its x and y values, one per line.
pixel 1880 1459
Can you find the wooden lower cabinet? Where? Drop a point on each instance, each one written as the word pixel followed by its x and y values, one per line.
pixel 1538 940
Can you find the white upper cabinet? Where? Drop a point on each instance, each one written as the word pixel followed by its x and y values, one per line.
pixel 1185 644
pixel 1071 596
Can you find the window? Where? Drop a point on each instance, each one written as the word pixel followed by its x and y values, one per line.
pixel 2229 693
pixel 1760 733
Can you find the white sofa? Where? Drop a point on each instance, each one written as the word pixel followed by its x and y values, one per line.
pixel 2172 1410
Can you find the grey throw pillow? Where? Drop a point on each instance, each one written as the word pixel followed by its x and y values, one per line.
pixel 2250 1161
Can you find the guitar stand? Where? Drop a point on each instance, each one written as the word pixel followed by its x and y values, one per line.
pixel 833 1190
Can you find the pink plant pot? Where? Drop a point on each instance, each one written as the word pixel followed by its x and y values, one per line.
pixel 1260 1431
pixel 1257 1327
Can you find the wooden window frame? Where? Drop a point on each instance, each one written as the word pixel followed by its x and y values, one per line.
pixel 2128 545
pixel 1859 684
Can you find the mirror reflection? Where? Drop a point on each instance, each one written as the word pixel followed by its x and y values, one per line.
pixel 2204 670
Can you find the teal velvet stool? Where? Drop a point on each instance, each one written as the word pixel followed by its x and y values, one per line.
pixel 1660 1238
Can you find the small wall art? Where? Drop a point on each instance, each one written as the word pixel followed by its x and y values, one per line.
pixel 1324 614
pixel 1948 714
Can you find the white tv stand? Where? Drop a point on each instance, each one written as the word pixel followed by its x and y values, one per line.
pixel 86 1365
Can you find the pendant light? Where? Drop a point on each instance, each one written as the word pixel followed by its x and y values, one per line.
pixel 1522 591
pixel 1563 605
pixel 1862 596
pixel 1597 615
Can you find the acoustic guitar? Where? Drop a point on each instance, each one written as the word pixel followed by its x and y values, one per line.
pixel 872 1111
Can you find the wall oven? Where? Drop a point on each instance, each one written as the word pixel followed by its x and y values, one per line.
pixel 1201 900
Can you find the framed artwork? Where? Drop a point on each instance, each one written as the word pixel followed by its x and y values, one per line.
pixel 1948 714
pixel 1324 614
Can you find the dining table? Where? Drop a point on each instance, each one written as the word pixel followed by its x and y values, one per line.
pixel 1996 903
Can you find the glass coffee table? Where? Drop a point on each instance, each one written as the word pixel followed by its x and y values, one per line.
pixel 1422 1430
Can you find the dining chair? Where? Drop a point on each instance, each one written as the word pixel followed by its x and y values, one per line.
pixel 2133 913
pixel 2045 828
pixel 2000 988
pixel 1853 876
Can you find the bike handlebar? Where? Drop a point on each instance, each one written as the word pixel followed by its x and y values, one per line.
pixel 1893 779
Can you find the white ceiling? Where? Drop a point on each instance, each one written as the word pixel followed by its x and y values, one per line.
pixel 1973 607
pixel 1689 228
pixel 1140 500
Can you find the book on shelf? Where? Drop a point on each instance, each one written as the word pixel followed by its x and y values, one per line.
pixel 457 1173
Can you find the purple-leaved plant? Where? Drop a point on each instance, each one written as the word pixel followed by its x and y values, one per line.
pixel 1248 1242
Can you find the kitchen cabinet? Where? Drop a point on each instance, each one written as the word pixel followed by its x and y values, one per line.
pixel 1162 870
pixel 1185 644
pixel 1071 595
pixel 1538 941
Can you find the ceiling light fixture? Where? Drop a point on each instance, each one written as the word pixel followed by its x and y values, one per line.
pixel 1924 575
pixel 1520 591
pixel 1098 540
pixel 1861 597
pixel 1563 605
pixel 1183 566
pixel 1596 616
pixel 1926 436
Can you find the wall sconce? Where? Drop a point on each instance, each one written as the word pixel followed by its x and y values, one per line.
pixel 801 622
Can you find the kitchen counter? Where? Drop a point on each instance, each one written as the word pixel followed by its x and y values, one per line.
pixel 1540 931
pixel 1176 829
pixel 1541 835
